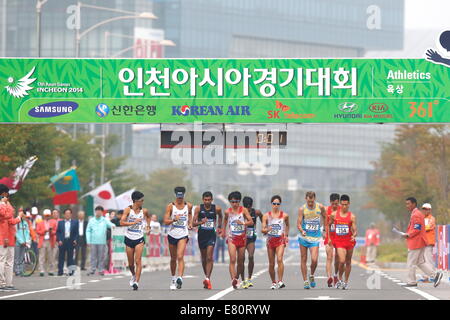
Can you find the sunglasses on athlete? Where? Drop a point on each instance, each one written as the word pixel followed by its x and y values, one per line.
pixel 235 201
pixel 276 203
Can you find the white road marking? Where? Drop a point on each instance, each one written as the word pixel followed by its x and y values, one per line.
pixel 107 279
pixel 423 294
pixel 323 298
pixel 396 280
pixel 401 283
pixel 103 298
pixel 94 281
pixel 39 291
pixel 222 293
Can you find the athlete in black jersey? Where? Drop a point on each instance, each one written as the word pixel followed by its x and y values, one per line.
pixel 251 238
pixel 205 217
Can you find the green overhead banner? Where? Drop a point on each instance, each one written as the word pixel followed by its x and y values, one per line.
pixel 223 91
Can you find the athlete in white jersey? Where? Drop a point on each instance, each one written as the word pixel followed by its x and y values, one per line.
pixel 179 216
pixel 137 221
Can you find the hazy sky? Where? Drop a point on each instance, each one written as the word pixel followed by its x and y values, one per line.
pixel 427 14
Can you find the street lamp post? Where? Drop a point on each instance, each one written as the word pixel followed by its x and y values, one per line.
pixel 130 15
pixel 39 5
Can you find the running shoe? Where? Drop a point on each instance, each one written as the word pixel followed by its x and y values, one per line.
pixel 250 283
pixel 311 280
pixel 306 285
pixel 339 284
pixel 205 284
pixel 235 283
pixel 437 278
pixel 330 282
pixel 179 282
pixel 281 285
pixel 135 286
pixel 245 284
pixel 10 288
pixel 335 281
pixel 209 285
pixel 426 280
pixel 173 285
pixel 132 280
pixel 273 286
pixel 345 286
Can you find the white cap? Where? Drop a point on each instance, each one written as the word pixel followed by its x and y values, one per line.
pixel 426 206
pixel 47 212
pixel 34 210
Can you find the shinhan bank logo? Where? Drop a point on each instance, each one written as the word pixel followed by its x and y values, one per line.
pixel 19 88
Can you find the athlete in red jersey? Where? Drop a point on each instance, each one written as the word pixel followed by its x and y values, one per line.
pixel 236 219
pixel 275 224
pixel 328 242
pixel 344 240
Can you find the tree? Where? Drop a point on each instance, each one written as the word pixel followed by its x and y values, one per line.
pixel 414 164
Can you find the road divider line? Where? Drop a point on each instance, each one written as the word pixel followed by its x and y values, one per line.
pixel 423 294
pixel 223 293
pixel 40 291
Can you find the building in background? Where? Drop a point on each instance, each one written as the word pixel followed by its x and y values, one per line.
pixel 325 158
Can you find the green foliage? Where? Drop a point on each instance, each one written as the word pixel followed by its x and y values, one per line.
pixel 416 164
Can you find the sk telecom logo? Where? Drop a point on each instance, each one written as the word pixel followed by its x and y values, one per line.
pixel 275 114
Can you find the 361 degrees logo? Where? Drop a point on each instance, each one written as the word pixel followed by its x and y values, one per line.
pixel 19 88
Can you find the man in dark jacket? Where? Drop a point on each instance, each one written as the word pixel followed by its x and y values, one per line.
pixel 66 235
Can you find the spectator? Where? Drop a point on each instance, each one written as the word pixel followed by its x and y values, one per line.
pixel 81 243
pixel 96 239
pixel 430 225
pixel 417 241
pixel 57 217
pixel 155 237
pixel 35 218
pixel 372 241
pixel 116 219
pixel 66 235
pixel 219 249
pixel 7 240
pixel 23 240
pixel 46 229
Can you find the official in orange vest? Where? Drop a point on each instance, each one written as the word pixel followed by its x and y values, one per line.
pixel 417 241
pixel 372 241
pixel 430 226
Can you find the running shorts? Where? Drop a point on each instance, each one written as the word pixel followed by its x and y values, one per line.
pixel 239 241
pixel 274 242
pixel 206 238
pixel 307 243
pixel 133 243
pixel 174 241
pixel 344 244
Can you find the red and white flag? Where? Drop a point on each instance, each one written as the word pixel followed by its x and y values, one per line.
pixel 103 196
pixel 124 200
pixel 14 182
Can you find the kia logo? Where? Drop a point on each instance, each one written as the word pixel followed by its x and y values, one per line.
pixel 378 107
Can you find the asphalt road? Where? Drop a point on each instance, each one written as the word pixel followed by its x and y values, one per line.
pixel 365 284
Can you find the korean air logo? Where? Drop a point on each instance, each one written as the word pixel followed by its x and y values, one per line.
pixel 185 109
pixel 348 107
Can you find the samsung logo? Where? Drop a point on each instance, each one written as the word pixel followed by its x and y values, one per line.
pixel 53 109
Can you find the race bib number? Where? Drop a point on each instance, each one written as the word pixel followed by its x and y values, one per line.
pixel 312 226
pixel 237 228
pixel 250 232
pixel 135 227
pixel 275 231
pixel 342 229
pixel 208 225
pixel 181 222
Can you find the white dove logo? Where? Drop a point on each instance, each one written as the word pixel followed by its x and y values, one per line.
pixel 20 88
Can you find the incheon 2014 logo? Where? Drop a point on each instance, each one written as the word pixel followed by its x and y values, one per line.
pixel 102 110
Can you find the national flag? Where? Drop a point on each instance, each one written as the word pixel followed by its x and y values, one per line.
pixel 124 200
pixel 14 182
pixel 103 196
pixel 66 181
